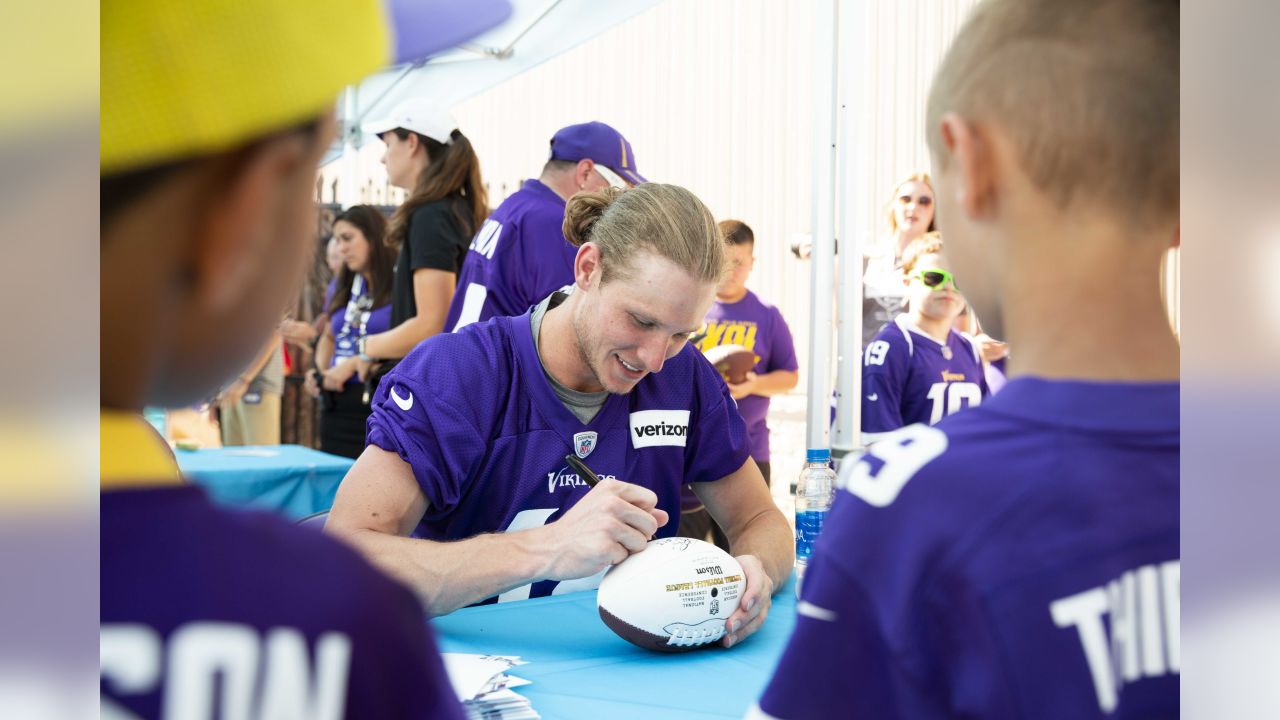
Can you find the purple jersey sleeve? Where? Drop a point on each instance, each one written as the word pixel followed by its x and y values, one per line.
pixel 717 444
pixel 832 610
pixel 885 365
pixel 437 437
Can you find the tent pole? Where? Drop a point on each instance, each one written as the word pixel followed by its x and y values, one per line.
pixel 853 150
pixel 824 139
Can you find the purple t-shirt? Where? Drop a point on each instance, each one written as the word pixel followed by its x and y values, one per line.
pixel 358 319
pixel 518 257
pixel 478 421
pixel 1020 559
pixel 204 608
pixel 758 327
pixel 908 377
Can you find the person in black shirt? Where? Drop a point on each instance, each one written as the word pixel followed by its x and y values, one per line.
pixel 427 155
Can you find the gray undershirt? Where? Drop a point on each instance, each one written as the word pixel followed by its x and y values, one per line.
pixel 584 405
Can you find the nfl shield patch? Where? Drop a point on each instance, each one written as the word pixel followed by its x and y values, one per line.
pixel 584 443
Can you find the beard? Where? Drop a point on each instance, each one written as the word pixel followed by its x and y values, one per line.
pixel 587 352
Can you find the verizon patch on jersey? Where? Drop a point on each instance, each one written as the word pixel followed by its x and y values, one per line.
pixel 651 428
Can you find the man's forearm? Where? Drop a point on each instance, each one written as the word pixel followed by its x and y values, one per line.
pixel 450 575
pixel 768 537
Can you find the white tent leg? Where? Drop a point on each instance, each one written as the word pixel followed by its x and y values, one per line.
pixel 852 148
pixel 824 140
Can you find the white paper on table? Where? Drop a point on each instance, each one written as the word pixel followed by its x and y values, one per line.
pixel 473 675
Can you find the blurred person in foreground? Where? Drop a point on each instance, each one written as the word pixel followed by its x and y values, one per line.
pixel 210 143
pixel 1021 558
pixel 464 491
pixel 739 318
pixel 520 256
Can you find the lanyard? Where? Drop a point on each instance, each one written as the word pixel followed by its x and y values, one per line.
pixel 358 310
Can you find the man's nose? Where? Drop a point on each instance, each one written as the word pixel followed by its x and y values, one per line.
pixel 653 353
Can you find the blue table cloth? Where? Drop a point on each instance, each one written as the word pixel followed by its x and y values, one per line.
pixel 288 479
pixel 581 669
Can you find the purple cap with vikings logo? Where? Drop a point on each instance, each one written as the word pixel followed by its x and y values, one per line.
pixel 599 143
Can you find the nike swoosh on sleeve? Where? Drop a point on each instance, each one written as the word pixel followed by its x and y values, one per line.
pixel 402 403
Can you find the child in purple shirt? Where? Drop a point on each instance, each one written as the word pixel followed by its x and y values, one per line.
pixel 739 317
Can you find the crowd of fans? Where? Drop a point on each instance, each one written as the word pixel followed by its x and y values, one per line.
pixel 971 557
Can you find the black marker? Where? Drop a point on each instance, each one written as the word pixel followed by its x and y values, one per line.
pixel 582 470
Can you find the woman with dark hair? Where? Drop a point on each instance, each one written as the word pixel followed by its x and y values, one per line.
pixel 360 306
pixel 428 156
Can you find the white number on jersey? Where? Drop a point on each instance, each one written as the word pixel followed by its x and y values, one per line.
pixel 472 304
pixel 217 664
pixel 876 353
pixel 903 452
pixel 955 395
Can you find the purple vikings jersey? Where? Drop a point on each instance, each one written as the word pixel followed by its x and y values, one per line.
pixel 1020 559
pixel 908 377
pixel 758 327
pixel 475 417
pixel 518 257
pixel 212 613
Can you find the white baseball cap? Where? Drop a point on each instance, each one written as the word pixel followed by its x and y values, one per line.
pixel 419 115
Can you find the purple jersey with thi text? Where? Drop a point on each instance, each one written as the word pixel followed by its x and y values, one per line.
pixel 909 377
pixel 518 257
pixel 758 327
pixel 1020 559
pixel 475 417
pixel 205 609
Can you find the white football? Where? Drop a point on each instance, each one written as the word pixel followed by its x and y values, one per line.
pixel 674 595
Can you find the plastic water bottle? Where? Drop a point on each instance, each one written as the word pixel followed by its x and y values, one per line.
pixel 815 491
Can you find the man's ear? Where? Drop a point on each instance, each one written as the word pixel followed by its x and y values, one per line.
pixel 974 161
pixel 582 172
pixel 586 266
pixel 240 221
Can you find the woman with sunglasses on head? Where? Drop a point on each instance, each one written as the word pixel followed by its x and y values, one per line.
pixel 360 306
pixel 910 213
pixel 919 368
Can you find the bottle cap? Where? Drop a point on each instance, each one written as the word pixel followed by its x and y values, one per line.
pixel 815 455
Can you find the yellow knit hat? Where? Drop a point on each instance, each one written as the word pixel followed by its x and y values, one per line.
pixel 182 78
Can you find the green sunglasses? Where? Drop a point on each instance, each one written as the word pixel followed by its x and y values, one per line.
pixel 936 278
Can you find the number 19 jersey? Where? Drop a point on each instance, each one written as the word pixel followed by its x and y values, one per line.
pixel 909 377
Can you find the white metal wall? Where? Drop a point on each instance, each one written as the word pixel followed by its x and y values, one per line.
pixel 716 95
